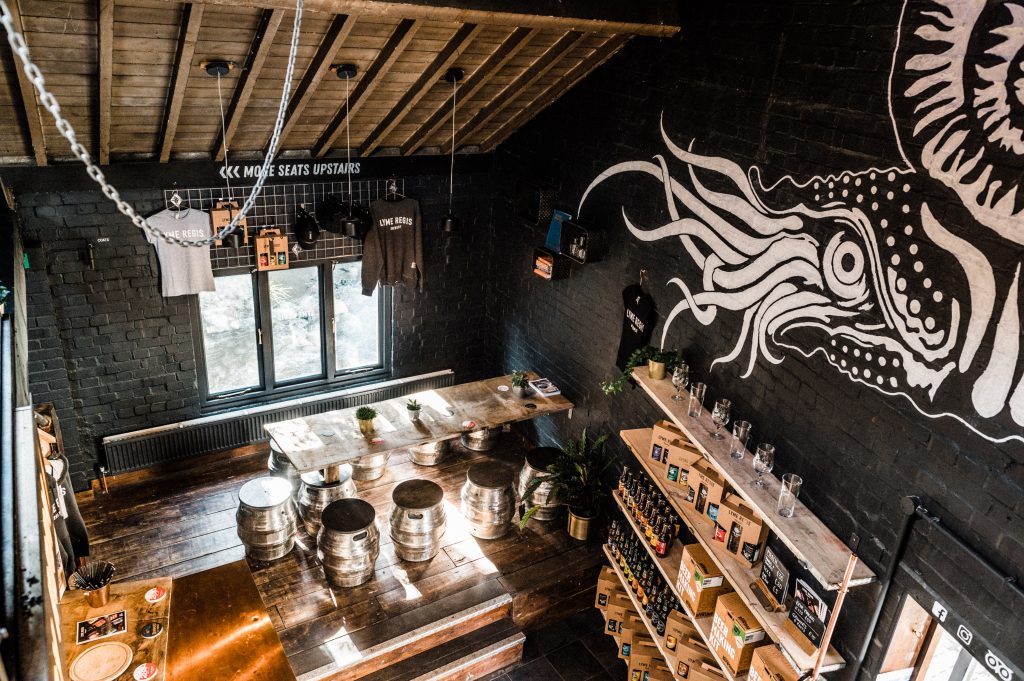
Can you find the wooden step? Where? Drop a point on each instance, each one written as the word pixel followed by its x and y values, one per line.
pixel 492 648
pixel 352 656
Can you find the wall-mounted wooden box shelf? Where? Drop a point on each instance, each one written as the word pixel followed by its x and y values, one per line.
pixel 549 265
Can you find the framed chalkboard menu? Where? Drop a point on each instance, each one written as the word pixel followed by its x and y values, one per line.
pixel 809 613
pixel 775 577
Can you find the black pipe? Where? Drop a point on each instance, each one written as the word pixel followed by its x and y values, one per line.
pixel 910 506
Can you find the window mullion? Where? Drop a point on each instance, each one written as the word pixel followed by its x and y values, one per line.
pixel 265 329
pixel 328 319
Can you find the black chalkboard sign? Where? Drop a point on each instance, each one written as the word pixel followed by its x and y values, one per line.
pixel 809 614
pixel 775 577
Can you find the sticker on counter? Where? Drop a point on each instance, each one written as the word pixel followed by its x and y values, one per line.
pixel 101 627
pixel 156 594
pixel 326 433
pixel 145 671
pixel 377 441
pixel 469 424
pixel 502 388
pixel 151 629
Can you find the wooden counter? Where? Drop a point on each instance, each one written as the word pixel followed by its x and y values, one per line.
pixel 219 629
pixel 332 438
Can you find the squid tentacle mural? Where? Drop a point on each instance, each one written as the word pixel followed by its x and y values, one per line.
pixel 913 300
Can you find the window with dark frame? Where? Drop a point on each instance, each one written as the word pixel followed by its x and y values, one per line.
pixel 287 332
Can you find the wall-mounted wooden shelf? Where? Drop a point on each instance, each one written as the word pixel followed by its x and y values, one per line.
pixel 738 575
pixel 820 551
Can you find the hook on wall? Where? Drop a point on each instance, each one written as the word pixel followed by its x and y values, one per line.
pixel 643 275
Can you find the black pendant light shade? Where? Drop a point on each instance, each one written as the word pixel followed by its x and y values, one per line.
pixel 450 223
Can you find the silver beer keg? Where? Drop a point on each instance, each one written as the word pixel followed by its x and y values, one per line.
pixel 315 493
pixel 489 499
pixel 536 466
pixel 417 519
pixel 430 454
pixel 482 439
pixel 371 466
pixel 266 518
pixel 279 465
pixel 348 543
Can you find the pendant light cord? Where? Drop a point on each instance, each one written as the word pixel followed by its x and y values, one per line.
pixel 223 134
pixel 451 172
pixel 348 145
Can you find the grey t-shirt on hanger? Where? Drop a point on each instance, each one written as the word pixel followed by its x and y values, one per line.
pixel 184 270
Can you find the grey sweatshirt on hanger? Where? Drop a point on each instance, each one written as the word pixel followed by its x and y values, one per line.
pixel 393 249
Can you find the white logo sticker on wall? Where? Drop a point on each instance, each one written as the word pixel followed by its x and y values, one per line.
pixel 964 634
pixel 939 611
pixel 998 667
pixel 915 301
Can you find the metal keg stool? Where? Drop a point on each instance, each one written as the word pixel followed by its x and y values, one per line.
pixel 489 499
pixel 315 493
pixel 348 543
pixel 279 465
pixel 481 439
pixel 431 453
pixel 417 519
pixel 266 518
pixel 371 466
pixel 537 461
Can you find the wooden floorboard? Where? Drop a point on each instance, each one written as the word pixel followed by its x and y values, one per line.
pixel 179 519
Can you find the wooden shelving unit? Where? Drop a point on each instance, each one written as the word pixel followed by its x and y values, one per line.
pixel 736 574
pixel 669 568
pixel 658 640
pixel 820 551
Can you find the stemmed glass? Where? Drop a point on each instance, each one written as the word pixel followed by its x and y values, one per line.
pixel 720 417
pixel 764 461
pixel 680 379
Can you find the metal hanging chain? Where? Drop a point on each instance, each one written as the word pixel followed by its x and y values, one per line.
pixel 20 48
pixel 223 134
pixel 451 172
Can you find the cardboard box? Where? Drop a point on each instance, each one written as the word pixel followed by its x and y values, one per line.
pixel 615 613
pixel 708 489
pixel 678 457
pixel 644 656
pixel 271 250
pixel 634 634
pixel 220 217
pixel 665 438
pixel 678 627
pixel 607 584
pixel 699 582
pixel 769 664
pixel 735 633
pixel 707 671
pixel 692 658
pixel 740 528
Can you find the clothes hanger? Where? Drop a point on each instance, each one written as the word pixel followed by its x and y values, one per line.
pixel 643 275
pixel 392 191
pixel 176 203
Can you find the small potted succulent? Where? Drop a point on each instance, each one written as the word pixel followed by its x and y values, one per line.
pixel 520 384
pixel 365 416
pixel 659 363
pixel 414 408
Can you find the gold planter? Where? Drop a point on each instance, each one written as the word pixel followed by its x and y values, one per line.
pixel 365 426
pixel 579 526
pixel 656 370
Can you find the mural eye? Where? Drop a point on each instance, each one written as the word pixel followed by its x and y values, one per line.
pixel 843 267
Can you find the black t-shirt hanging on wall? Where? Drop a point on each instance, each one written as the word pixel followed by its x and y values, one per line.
pixel 637 322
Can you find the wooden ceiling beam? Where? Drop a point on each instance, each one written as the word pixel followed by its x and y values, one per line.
pixel 336 35
pixel 259 49
pixel 191 18
pixel 431 75
pixel 650 17
pixel 513 90
pixel 105 30
pixel 368 82
pixel 508 49
pixel 29 104
pixel 554 91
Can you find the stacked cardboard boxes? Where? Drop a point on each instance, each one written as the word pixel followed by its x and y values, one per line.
pixel 735 633
pixel 700 582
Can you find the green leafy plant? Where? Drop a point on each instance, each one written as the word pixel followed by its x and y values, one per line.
pixel 519 379
pixel 412 405
pixel 575 477
pixel 642 356
pixel 366 413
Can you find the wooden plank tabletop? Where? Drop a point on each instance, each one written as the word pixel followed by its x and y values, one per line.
pixel 821 551
pixel 315 442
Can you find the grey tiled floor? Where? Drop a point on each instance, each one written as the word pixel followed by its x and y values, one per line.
pixel 574 649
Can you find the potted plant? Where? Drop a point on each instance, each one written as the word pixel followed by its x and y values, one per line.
pixel 414 409
pixel 520 384
pixel 576 477
pixel 659 363
pixel 365 416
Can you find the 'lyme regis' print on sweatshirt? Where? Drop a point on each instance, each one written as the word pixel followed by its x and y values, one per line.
pixel 393 249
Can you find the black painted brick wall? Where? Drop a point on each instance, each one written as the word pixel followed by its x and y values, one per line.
pixel 115 356
pixel 794 88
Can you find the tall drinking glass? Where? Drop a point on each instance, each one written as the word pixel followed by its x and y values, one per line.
pixel 680 379
pixel 740 434
pixel 720 417
pixel 697 392
pixel 764 461
pixel 791 483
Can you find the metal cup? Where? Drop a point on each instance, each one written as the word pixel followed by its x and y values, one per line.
pixel 97 598
pixel 791 483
